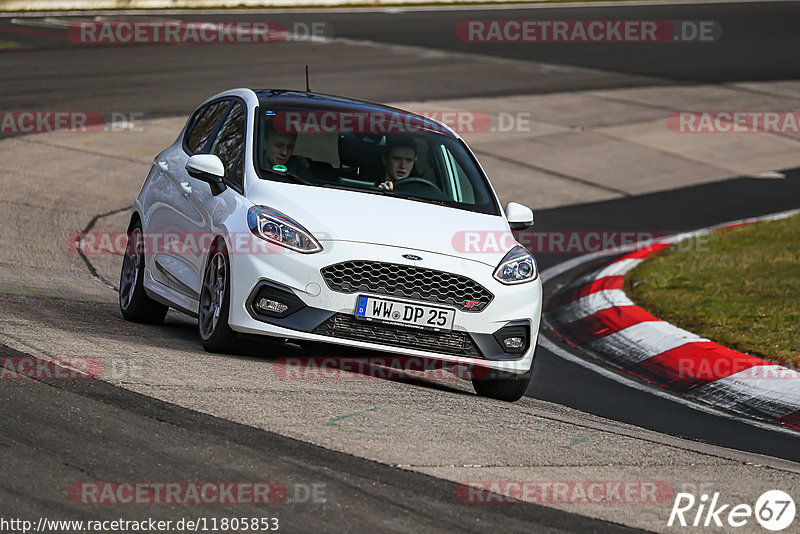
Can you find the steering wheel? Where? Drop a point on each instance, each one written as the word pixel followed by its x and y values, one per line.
pixel 419 187
pixel 411 181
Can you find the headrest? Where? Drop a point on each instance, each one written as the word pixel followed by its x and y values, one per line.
pixel 363 151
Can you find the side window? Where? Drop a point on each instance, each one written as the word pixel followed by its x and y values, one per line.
pixel 464 185
pixel 457 183
pixel 229 144
pixel 204 125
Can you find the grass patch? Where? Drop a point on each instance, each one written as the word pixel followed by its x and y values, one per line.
pixel 739 287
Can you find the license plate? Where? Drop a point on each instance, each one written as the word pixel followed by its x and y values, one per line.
pixel 405 313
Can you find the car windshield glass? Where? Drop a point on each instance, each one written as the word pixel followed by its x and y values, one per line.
pixel 378 152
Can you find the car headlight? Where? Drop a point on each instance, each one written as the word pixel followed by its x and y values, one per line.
pixel 516 267
pixel 273 226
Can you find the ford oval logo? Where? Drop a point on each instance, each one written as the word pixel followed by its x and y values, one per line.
pixel 411 257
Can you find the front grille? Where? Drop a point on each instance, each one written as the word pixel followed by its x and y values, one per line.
pixel 347 327
pixel 407 281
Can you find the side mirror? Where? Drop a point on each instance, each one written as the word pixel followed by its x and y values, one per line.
pixel 208 168
pixel 519 216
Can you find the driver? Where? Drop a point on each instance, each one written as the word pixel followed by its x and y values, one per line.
pixel 278 150
pixel 398 161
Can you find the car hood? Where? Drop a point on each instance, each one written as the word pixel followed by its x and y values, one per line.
pixel 341 215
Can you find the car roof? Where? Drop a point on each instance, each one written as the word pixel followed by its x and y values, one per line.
pixel 303 100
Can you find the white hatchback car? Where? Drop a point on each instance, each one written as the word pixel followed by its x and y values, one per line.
pixel 312 217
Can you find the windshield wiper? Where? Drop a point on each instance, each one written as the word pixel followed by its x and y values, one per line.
pixel 344 187
pixel 418 199
pixel 426 200
pixel 386 192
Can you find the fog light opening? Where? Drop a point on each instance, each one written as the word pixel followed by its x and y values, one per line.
pixel 513 338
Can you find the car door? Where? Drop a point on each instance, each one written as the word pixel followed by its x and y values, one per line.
pixel 184 217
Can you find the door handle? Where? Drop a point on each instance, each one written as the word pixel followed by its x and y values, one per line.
pixel 187 188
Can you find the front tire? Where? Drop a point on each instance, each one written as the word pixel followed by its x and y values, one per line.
pixel 134 303
pixel 212 319
pixel 502 386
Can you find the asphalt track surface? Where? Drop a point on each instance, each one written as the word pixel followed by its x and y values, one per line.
pixel 760 43
pixel 117 432
pixel 110 430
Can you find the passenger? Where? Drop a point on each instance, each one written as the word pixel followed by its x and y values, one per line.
pixel 279 150
pixel 398 162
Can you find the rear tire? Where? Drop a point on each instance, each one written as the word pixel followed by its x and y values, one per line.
pixel 134 303
pixel 502 386
pixel 215 295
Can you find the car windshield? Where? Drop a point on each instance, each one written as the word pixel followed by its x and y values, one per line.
pixel 378 152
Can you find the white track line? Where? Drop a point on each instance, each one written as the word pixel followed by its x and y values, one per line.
pixel 591 304
pixel 642 341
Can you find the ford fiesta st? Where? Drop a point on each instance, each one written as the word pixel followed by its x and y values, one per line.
pixel 312 217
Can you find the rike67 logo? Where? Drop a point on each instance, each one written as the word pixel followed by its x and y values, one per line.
pixel 774 510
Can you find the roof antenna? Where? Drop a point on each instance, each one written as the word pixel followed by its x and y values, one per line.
pixel 308 89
